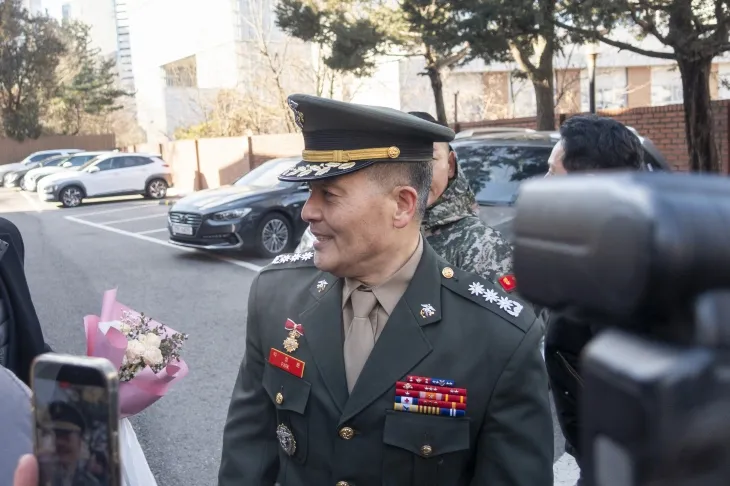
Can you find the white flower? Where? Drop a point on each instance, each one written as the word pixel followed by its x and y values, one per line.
pixel 152 356
pixel 135 350
pixel 151 340
pixel 125 329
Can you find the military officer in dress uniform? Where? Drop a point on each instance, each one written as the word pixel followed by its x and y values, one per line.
pixel 68 427
pixel 371 361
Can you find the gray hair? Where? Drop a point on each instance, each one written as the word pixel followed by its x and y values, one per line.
pixel 417 175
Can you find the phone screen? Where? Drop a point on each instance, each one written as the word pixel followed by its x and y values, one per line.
pixel 72 428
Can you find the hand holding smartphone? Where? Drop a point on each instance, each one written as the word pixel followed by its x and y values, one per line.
pixel 76 417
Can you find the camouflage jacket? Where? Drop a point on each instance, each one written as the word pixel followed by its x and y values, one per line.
pixel 453 228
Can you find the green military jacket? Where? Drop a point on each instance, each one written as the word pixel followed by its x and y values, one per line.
pixel 453 228
pixel 300 427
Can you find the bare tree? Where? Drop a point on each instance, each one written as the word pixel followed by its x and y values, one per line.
pixel 260 20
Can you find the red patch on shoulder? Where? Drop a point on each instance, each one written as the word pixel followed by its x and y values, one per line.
pixel 508 283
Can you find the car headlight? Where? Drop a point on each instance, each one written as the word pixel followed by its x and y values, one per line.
pixel 48 189
pixel 231 214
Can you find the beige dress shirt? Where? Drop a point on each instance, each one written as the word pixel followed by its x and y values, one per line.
pixel 387 294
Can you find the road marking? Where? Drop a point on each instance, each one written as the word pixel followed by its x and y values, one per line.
pixel 138 218
pixel 150 231
pixel 249 266
pixel 125 208
pixel 32 202
pixel 565 471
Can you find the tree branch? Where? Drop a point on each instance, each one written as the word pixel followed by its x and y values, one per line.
pixel 451 60
pixel 648 25
pixel 523 62
pixel 620 45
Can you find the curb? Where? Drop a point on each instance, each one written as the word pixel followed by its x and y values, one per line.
pixel 169 202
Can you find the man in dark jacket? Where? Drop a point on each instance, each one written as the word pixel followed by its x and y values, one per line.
pixel 21 338
pixel 588 143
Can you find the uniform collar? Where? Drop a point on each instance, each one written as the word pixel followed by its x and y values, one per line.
pixel 389 292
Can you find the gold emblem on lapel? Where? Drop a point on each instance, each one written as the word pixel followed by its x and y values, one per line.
pixel 447 272
pixel 427 310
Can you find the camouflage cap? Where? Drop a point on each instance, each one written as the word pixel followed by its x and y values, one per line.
pixel 340 138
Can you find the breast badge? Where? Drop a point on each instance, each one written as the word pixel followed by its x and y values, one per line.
pixel 286 439
pixel 296 331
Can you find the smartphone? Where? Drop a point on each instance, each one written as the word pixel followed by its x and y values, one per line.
pixel 76 417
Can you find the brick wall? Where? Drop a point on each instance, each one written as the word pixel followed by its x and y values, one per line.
pixel 663 125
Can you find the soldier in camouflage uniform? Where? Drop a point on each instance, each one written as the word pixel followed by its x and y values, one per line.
pixel 452 225
pixel 453 228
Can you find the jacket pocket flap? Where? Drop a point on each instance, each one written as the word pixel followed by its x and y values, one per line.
pixel 426 435
pixel 286 391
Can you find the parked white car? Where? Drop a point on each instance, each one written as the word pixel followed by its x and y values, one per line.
pixel 73 162
pixel 111 174
pixel 32 160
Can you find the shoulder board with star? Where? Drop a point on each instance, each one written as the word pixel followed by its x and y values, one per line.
pixel 488 295
pixel 291 260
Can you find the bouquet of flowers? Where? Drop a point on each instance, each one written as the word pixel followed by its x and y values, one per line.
pixel 147 355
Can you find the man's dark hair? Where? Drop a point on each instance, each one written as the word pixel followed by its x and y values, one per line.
pixel 417 175
pixel 592 142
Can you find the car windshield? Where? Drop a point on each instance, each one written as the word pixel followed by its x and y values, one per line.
pixel 88 163
pixel 55 161
pixel 80 160
pixel 496 172
pixel 266 175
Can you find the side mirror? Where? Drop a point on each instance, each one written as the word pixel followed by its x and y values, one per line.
pixel 93 170
pixel 66 164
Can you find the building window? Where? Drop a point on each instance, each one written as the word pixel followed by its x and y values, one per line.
pixel 666 86
pixel 182 73
pixel 611 89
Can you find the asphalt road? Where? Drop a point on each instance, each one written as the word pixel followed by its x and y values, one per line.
pixel 74 255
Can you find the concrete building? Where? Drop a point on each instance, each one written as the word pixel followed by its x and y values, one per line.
pixel 623 80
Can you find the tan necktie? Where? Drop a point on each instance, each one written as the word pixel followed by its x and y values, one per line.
pixel 360 337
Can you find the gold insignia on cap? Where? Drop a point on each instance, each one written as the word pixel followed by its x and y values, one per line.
pixel 447 272
pixel 344 156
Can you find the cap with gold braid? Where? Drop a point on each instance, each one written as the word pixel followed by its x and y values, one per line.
pixel 340 138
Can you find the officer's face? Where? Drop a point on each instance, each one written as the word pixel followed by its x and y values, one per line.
pixel 444 168
pixel 356 223
pixel 556 160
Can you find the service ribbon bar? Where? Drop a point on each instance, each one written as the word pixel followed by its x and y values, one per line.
pixel 430 403
pixel 422 380
pixel 449 412
pixel 444 397
pixel 403 385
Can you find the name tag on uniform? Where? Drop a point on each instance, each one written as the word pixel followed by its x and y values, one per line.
pixel 287 363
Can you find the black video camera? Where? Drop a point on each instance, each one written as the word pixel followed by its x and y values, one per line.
pixel 646 257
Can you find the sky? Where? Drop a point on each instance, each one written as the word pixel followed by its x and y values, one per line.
pixel 53 7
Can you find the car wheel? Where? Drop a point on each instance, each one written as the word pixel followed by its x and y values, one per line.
pixel 274 235
pixel 156 189
pixel 71 196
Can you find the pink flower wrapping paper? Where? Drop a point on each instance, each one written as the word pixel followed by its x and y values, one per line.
pixel 147 386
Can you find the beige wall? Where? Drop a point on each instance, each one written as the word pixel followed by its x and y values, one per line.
pixel 638 86
pixel 214 162
pixel 714 81
pixel 13 151
pixel 567 87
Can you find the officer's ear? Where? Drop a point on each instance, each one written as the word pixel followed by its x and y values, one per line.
pixel 406 206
